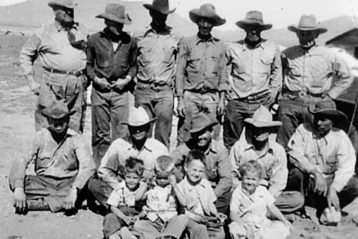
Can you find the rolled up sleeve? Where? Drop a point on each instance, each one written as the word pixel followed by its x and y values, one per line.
pixel 29 53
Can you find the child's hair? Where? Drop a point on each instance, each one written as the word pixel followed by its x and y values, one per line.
pixel 134 165
pixel 251 167
pixel 195 155
pixel 164 164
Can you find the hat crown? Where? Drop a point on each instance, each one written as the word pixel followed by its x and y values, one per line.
pixel 255 16
pixel 138 116
pixel 262 114
pixel 62 3
pixel 324 105
pixel 307 21
pixel 115 9
pixel 161 4
pixel 57 110
pixel 207 9
pixel 200 122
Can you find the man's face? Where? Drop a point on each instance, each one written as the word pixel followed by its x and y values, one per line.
pixel 58 126
pixel 158 19
pixel 259 134
pixel 195 171
pixel 322 125
pixel 205 26
pixel 253 33
pixel 139 133
pixel 202 139
pixel 132 180
pixel 65 16
pixel 307 38
pixel 114 27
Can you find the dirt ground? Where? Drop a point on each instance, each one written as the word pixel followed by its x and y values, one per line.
pixel 16 130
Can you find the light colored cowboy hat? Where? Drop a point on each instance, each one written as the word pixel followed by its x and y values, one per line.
pixel 62 3
pixel 328 108
pixel 161 6
pixel 307 23
pixel 262 118
pixel 138 117
pixel 57 110
pixel 117 13
pixel 206 11
pixel 200 122
pixel 253 18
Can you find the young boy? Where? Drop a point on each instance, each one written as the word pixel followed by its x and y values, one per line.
pixel 125 202
pixel 197 197
pixel 249 205
pixel 162 219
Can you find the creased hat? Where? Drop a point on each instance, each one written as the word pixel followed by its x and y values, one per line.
pixel 206 11
pixel 57 110
pixel 262 118
pixel 138 117
pixel 117 13
pixel 62 3
pixel 307 23
pixel 200 122
pixel 253 18
pixel 328 108
pixel 161 6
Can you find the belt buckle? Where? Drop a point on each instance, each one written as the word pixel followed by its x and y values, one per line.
pixel 302 94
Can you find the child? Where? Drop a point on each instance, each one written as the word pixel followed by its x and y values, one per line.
pixel 125 202
pixel 197 197
pixel 249 205
pixel 162 219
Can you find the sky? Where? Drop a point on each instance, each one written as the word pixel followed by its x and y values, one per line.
pixel 280 13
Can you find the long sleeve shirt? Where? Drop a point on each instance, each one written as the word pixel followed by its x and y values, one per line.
pixel 218 165
pixel 332 155
pixel 112 168
pixel 69 158
pixel 52 46
pixel 105 62
pixel 253 69
pixel 273 161
pixel 317 71
pixel 201 65
pixel 157 57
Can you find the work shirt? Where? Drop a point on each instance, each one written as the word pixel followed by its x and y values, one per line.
pixel 71 158
pixel 315 71
pixel 105 62
pixel 201 65
pixel 52 46
pixel 123 196
pixel 253 69
pixel 112 168
pixel 333 155
pixel 273 161
pixel 156 57
pixel 218 166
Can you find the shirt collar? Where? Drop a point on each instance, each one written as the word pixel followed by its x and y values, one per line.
pixel 199 40
pixel 260 45
pixel 146 146
pixel 248 146
pixel 61 28
pixel 166 31
pixel 190 187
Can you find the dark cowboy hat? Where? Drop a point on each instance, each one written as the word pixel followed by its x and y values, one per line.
pixel 307 23
pixel 262 118
pixel 62 3
pixel 253 18
pixel 206 11
pixel 200 122
pixel 57 110
pixel 328 109
pixel 116 13
pixel 161 6
pixel 138 117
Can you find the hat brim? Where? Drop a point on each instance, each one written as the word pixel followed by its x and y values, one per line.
pixel 335 114
pixel 151 7
pixel 54 5
pixel 216 19
pixel 246 23
pixel 294 28
pixel 202 128
pixel 261 124
pixel 49 115
pixel 139 124
pixel 127 20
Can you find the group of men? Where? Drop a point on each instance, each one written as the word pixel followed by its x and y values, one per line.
pixel 210 80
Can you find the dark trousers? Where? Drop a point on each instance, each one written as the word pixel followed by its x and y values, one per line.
pixel 159 102
pixel 100 190
pixel 109 111
pixel 112 223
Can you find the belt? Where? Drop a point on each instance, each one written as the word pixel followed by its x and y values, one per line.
pixel 156 86
pixel 303 94
pixel 255 97
pixel 54 71
pixel 202 91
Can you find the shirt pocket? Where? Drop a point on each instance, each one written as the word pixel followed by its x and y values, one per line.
pixel 194 63
pixel 266 62
pixel 104 58
pixel 168 53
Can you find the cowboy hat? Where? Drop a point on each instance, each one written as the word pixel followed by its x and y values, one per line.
pixel 62 3
pixel 262 118
pixel 327 108
pixel 307 23
pixel 138 117
pixel 116 13
pixel 253 18
pixel 200 122
pixel 57 110
pixel 161 6
pixel 206 11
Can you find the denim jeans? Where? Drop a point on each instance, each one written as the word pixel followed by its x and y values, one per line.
pixel 109 111
pixel 195 103
pixel 159 102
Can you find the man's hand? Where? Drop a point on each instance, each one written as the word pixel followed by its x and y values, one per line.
pixel 70 200
pixel 119 84
pixel 221 107
pixel 180 107
pixel 34 85
pixel 332 198
pixel 19 199
pixel 102 83
pixel 273 95
pixel 320 183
